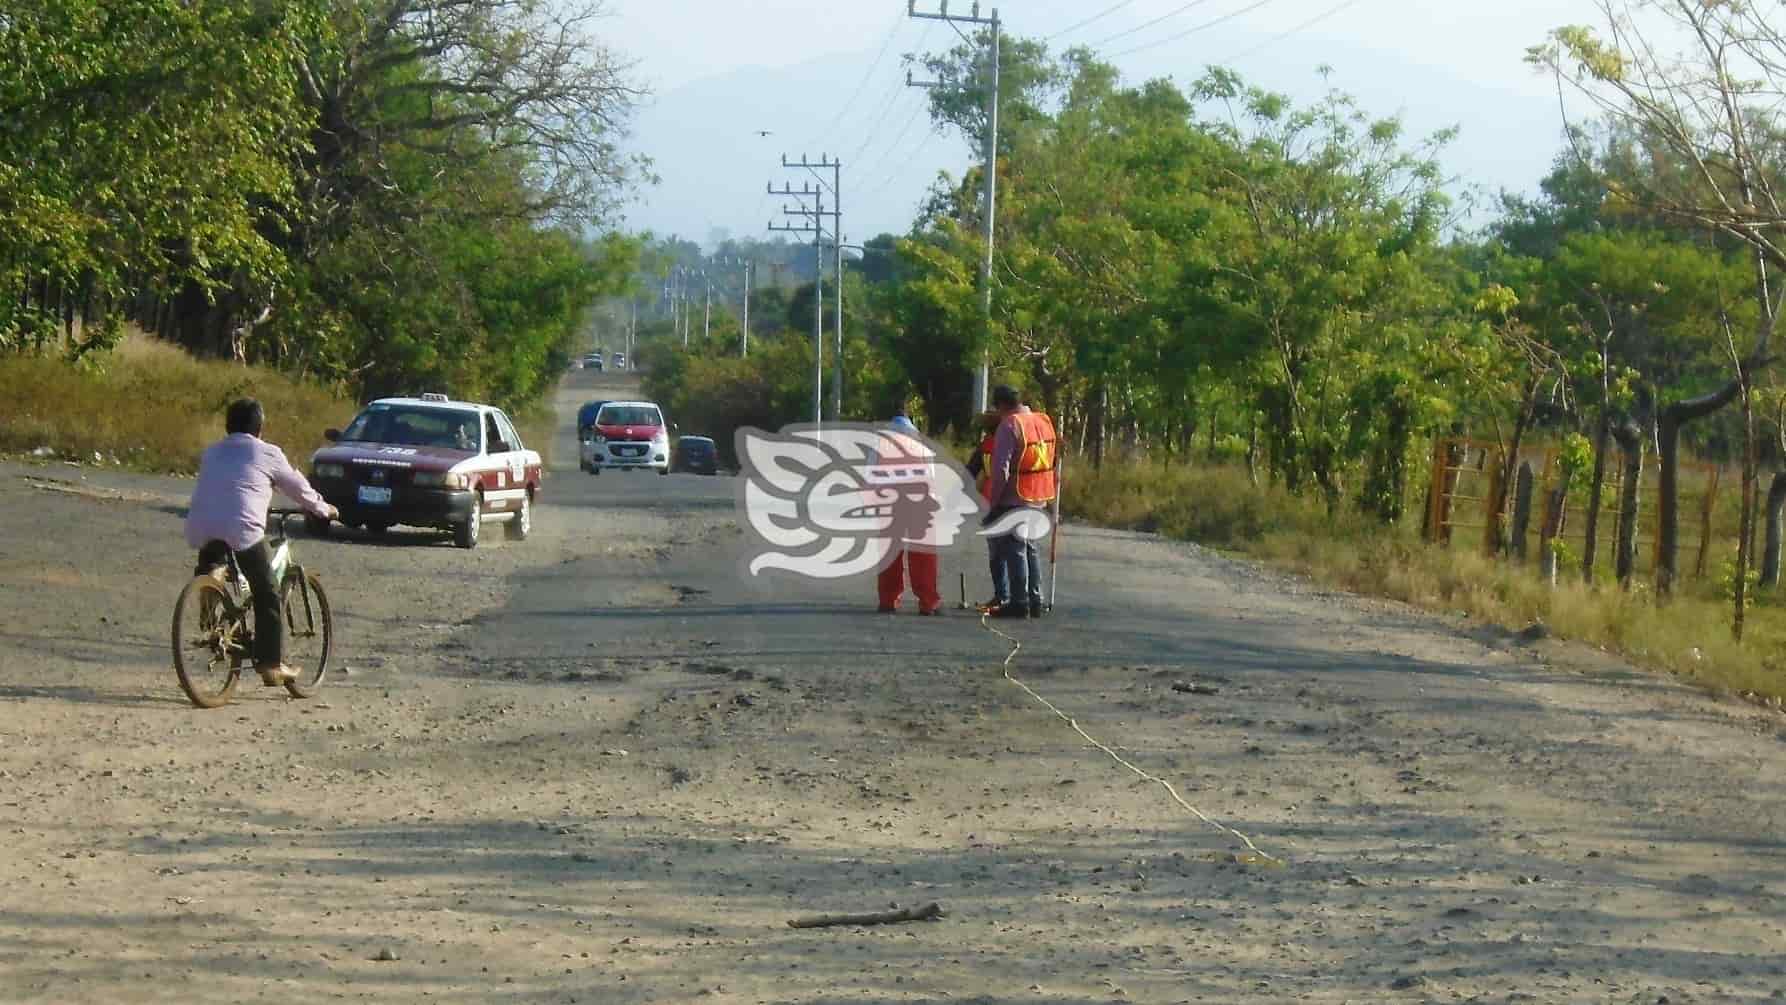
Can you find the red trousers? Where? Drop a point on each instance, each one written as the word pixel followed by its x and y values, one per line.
pixel 892 581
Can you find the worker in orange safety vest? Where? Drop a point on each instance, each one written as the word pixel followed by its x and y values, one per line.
pixel 1024 465
pixel 980 467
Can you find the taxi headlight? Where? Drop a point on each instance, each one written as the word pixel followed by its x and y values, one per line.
pixel 599 440
pixel 330 471
pixel 439 479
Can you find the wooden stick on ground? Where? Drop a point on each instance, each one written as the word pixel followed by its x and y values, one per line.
pixel 925 913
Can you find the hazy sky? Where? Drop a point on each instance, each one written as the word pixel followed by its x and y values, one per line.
pixel 721 70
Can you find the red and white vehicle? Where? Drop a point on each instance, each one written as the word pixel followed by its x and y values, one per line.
pixel 429 462
pixel 626 435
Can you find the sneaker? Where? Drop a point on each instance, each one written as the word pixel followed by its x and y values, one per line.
pixel 1018 611
pixel 989 606
pixel 934 612
pixel 278 676
pixel 1035 608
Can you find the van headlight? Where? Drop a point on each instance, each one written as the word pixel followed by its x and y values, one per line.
pixel 330 471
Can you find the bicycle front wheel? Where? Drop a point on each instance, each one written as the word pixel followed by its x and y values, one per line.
pixel 309 631
pixel 210 639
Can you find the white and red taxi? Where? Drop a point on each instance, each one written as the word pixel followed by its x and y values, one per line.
pixel 626 435
pixel 429 462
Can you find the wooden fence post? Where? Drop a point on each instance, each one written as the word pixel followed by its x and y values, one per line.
pixel 1555 513
pixel 1522 510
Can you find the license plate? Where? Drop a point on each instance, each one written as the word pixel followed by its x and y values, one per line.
pixel 375 495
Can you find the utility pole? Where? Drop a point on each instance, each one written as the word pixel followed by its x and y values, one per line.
pixel 982 376
pixel 707 316
pixel 632 329
pixel 836 214
pixel 744 344
pixel 817 229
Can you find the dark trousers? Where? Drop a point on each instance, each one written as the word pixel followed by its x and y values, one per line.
pixel 1017 566
pixel 256 563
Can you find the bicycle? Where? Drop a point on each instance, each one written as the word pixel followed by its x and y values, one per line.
pixel 214 621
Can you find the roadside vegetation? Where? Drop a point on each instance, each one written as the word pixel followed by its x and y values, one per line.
pixel 146 405
pixel 151 406
pixel 1198 269
pixel 1217 505
pixel 377 195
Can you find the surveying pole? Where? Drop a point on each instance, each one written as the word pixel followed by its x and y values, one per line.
pixel 817 229
pixel 836 214
pixel 982 376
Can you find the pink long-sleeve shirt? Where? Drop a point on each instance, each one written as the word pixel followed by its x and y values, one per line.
pixel 236 479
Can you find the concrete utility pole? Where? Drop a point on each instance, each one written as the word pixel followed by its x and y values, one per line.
pixel 836 213
pixel 744 340
pixel 632 329
pixel 982 376
pixel 707 317
pixel 817 229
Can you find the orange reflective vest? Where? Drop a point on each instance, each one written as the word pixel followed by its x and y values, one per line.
pixel 1037 456
pixel 987 448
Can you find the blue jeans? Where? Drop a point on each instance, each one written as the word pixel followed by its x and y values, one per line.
pixel 1017 570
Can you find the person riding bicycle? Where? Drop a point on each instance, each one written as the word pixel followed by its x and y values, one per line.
pixel 228 513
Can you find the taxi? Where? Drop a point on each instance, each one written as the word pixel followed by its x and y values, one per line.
pixel 428 462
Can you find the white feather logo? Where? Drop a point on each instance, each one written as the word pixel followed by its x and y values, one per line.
pixel 842 500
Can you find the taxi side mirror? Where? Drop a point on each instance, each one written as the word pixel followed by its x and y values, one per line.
pixel 332 435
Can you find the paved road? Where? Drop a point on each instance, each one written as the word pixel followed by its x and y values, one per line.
pixel 602 766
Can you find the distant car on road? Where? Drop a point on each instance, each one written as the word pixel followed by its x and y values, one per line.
pixel 696 454
pixel 620 361
pixel 428 462
pixel 626 435
pixel 593 361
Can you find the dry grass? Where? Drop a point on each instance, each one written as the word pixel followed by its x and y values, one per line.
pixel 1218 507
pixel 151 406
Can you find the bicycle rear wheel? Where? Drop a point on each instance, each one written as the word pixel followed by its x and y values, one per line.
pixel 309 630
pixel 210 639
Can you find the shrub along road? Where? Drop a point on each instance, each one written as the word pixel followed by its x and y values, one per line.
pixel 601 766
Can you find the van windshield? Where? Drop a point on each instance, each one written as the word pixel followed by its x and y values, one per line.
pixel 629 415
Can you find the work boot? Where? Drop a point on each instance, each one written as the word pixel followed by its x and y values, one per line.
pixel 1017 611
pixel 1035 608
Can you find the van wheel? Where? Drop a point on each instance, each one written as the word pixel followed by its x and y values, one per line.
pixel 465 535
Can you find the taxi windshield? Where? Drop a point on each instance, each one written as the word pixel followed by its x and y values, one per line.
pixel 452 429
pixel 629 415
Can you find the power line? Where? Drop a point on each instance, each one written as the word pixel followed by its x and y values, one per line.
pixel 1192 31
pixel 1299 29
pixel 919 109
pixel 1101 15
pixel 1169 15
pixel 899 22
pixel 892 99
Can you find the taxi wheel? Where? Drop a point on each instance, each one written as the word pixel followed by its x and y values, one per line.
pixel 465 535
pixel 522 524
